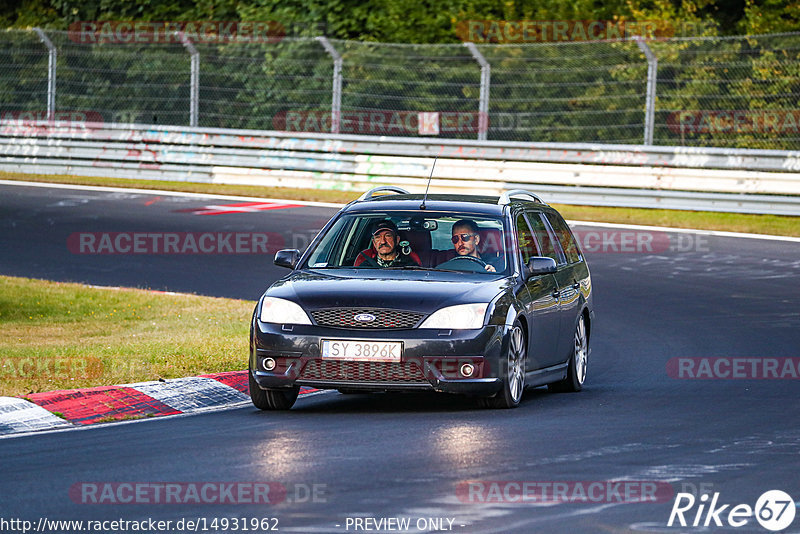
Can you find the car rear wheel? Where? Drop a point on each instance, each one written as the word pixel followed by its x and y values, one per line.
pixel 272 399
pixel 514 377
pixel 576 370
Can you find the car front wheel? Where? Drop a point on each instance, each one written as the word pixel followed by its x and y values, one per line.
pixel 514 377
pixel 271 399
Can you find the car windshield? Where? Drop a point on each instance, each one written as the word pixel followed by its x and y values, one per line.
pixel 399 240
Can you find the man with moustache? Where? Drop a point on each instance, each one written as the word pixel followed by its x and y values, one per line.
pixel 385 251
pixel 466 240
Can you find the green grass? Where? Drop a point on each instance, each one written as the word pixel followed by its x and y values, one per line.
pixel 706 220
pixel 703 220
pixel 314 195
pixel 60 336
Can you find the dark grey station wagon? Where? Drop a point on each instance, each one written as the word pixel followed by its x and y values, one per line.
pixel 479 296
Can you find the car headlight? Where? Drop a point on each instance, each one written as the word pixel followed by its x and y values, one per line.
pixel 461 316
pixel 282 311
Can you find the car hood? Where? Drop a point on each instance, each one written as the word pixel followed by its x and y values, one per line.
pixel 421 291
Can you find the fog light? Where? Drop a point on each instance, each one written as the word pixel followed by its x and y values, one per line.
pixel 467 369
pixel 269 364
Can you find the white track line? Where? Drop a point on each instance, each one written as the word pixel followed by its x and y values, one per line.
pixel 333 205
pixel 717 233
pixel 167 193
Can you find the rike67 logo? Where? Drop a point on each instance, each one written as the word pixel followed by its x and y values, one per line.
pixel 774 510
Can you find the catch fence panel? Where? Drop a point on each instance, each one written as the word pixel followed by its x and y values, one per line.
pixel 728 92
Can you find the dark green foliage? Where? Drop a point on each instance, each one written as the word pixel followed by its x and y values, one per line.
pixel 410 21
pixel 557 92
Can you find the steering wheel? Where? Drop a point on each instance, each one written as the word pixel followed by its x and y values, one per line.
pixel 372 262
pixel 474 264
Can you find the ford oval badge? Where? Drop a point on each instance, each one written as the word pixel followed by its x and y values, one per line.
pixel 364 318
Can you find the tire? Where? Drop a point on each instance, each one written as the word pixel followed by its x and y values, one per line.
pixel 271 399
pixel 514 366
pixel 576 370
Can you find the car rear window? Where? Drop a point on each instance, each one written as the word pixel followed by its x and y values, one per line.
pixel 565 237
pixel 544 243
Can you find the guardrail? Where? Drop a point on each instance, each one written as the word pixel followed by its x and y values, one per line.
pixel 746 181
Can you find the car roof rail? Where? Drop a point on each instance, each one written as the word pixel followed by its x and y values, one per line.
pixel 390 188
pixel 505 198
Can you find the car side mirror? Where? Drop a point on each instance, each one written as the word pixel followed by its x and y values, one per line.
pixel 287 257
pixel 541 265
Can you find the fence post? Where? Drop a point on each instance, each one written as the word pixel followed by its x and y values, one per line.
pixel 51 73
pixel 483 98
pixel 483 103
pixel 194 87
pixel 336 99
pixel 650 106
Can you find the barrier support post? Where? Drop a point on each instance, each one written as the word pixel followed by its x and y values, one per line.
pixel 650 106
pixel 194 84
pixel 336 98
pixel 483 103
pixel 52 55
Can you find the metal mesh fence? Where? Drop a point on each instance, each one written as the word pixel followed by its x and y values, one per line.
pixel 255 85
pixel 23 73
pixel 146 83
pixel 565 93
pixel 725 92
pixel 732 92
pixel 385 86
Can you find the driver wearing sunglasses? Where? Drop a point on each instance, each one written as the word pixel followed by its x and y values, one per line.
pixel 466 240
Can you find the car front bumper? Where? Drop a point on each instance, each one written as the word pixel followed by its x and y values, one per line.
pixel 432 359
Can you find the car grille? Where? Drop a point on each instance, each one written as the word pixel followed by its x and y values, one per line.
pixel 384 319
pixel 388 372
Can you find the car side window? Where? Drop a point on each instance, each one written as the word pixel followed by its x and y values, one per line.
pixel 527 244
pixel 546 246
pixel 325 254
pixel 565 237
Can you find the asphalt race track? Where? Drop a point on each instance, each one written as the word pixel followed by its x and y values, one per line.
pixel 437 460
